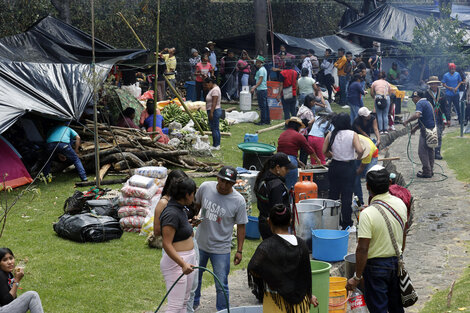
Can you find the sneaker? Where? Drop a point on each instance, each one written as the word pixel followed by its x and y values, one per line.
pixel 352 229
pixel 215 148
pixel 345 107
pixel 385 132
pixel 393 128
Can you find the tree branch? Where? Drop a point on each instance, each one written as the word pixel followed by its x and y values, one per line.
pixel 347 5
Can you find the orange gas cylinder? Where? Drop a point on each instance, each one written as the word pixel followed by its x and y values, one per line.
pixel 305 188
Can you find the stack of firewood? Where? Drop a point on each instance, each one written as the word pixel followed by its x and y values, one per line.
pixel 122 149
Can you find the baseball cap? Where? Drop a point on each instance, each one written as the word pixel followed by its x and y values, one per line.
pixel 416 93
pixel 365 112
pixel 282 159
pixel 228 173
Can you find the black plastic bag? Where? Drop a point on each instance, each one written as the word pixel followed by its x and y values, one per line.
pixel 104 207
pixel 88 228
pixel 76 203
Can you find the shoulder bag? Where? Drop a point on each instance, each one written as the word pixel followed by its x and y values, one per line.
pixel 431 134
pixel 407 291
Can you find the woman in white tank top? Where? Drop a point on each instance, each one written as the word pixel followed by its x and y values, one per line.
pixel 340 145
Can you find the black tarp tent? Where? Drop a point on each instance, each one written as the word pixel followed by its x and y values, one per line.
pixel 247 42
pixel 395 23
pixel 47 70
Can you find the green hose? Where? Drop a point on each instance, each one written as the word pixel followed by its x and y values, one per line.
pixel 409 154
pixel 200 268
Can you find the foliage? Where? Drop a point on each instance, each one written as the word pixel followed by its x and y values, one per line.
pixel 455 150
pixel 438 42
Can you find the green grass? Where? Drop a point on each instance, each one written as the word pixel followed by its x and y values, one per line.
pixel 455 152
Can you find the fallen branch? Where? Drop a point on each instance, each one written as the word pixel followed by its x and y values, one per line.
pixel 270 128
pixel 223 134
pixel 113 158
pixel 104 182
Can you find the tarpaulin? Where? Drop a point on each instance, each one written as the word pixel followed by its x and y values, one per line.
pixel 319 44
pixel 48 70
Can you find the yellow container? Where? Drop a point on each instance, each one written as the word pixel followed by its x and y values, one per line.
pixel 338 283
pixel 338 302
pixel 400 94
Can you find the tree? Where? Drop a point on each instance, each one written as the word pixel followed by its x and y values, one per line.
pixel 63 7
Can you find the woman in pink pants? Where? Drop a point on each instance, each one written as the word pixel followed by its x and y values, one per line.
pixel 178 243
pixel 316 136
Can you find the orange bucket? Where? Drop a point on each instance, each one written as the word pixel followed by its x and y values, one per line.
pixel 276 113
pixel 273 88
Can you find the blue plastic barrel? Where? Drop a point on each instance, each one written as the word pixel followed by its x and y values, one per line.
pixel 251 229
pixel 251 138
pixel 329 245
pixel 190 90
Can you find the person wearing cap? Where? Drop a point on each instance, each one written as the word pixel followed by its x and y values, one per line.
pixel 288 90
pixel 355 92
pixel 366 123
pixel 212 56
pixel 193 61
pixel 341 145
pixel 369 159
pixel 290 142
pixel 376 258
pixel 340 65
pixel 270 189
pixel 425 116
pixel 261 89
pixel 170 61
pixel 451 82
pixel 221 208
pixel 305 85
pixel 437 98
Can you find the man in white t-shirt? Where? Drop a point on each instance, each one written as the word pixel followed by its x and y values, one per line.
pixel 221 207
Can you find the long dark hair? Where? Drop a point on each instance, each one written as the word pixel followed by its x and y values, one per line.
pixel 181 187
pixel 280 216
pixel 5 251
pixel 269 164
pixel 341 121
pixel 174 174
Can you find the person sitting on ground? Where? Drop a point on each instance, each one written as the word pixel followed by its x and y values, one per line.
pixel 126 119
pixel 10 278
pixel 366 123
pixel 393 74
pixel 150 106
pixel 279 271
pixel 148 123
pixel 270 189
pixel 305 113
pixel 321 105
pixel 59 141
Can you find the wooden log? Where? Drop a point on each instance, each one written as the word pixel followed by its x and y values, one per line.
pixel 104 182
pixel 103 153
pixel 201 175
pixel 389 159
pixel 113 158
pixel 104 170
pixel 120 165
pixel 154 153
pixel 270 128
pixel 223 134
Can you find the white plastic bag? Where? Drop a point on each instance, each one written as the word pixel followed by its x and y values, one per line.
pixel 236 117
pixel 141 181
pixel 152 171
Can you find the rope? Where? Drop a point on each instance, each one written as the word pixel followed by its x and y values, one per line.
pixel 200 268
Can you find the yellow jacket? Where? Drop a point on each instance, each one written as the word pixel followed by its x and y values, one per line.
pixel 339 64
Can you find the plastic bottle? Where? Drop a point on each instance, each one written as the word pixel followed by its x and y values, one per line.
pixel 357 304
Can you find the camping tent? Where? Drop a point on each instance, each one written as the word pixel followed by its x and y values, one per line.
pixel 10 164
pixel 395 23
pixel 47 70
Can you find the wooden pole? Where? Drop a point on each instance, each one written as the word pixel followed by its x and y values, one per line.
pixel 95 102
pixel 157 51
pixel 270 128
pixel 132 29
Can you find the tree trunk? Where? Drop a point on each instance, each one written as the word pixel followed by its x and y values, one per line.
pixel 63 7
pixel 261 28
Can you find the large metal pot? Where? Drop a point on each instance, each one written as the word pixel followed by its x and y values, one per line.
pixel 307 217
pixel 331 214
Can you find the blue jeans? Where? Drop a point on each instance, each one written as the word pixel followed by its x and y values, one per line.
pixel 214 125
pixel 454 100
pixel 353 109
pixel 343 89
pixel 262 96
pixel 357 181
pixel 293 175
pixel 69 153
pixel 288 106
pixel 381 286
pixel 221 266
pixel 382 116
pixel 341 175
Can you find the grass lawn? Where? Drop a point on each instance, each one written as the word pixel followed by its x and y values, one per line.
pixel 456 151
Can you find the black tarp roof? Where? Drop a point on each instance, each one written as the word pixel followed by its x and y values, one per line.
pixel 247 42
pixel 396 22
pixel 47 70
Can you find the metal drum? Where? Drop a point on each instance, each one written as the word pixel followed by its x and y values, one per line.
pixel 331 214
pixel 308 217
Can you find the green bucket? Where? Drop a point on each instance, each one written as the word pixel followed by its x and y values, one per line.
pixel 320 285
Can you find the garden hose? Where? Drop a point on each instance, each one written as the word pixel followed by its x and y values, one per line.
pixel 200 268
pixel 409 154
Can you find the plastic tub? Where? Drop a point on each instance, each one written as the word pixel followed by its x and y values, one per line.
pixel 320 285
pixel 338 300
pixel 329 245
pixel 338 283
pixel 190 90
pixel 252 229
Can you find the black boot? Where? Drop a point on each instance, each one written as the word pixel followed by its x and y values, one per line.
pixel 437 154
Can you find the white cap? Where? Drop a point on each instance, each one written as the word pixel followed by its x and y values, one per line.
pixel 376 168
pixel 364 112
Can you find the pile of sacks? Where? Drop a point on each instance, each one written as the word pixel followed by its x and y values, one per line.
pixel 244 188
pixel 139 196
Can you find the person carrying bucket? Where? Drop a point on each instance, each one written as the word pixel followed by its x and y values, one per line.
pixel 279 273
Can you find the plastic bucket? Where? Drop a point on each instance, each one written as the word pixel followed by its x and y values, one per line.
pixel 338 283
pixel 338 300
pixel 329 245
pixel 274 88
pixel 250 138
pixel 331 214
pixel 190 90
pixel 252 230
pixel 320 285
pixel 276 113
pixel 349 265
pixel 245 309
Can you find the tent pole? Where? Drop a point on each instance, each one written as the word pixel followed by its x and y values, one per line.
pixel 95 102
pixel 157 51
pixel 132 29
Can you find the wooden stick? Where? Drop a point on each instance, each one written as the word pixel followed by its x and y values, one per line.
pixel 223 134
pixel 270 128
pixel 104 169
pixel 201 175
pixel 104 182
pixel 389 159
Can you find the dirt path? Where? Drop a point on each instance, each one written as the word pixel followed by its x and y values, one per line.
pixel 435 253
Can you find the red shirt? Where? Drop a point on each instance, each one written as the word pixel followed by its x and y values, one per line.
pixel 290 142
pixel 290 79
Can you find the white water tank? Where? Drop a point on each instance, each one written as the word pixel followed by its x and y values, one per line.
pixel 245 99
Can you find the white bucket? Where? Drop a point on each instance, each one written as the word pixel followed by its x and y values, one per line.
pixel 245 99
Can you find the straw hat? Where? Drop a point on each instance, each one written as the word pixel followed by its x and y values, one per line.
pixel 210 43
pixel 297 120
pixel 433 80
pixel 365 145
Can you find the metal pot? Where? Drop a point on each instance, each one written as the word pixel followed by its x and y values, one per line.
pixel 331 214
pixel 308 217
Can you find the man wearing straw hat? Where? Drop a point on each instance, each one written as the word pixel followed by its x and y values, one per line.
pixel 436 96
pixel 261 88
